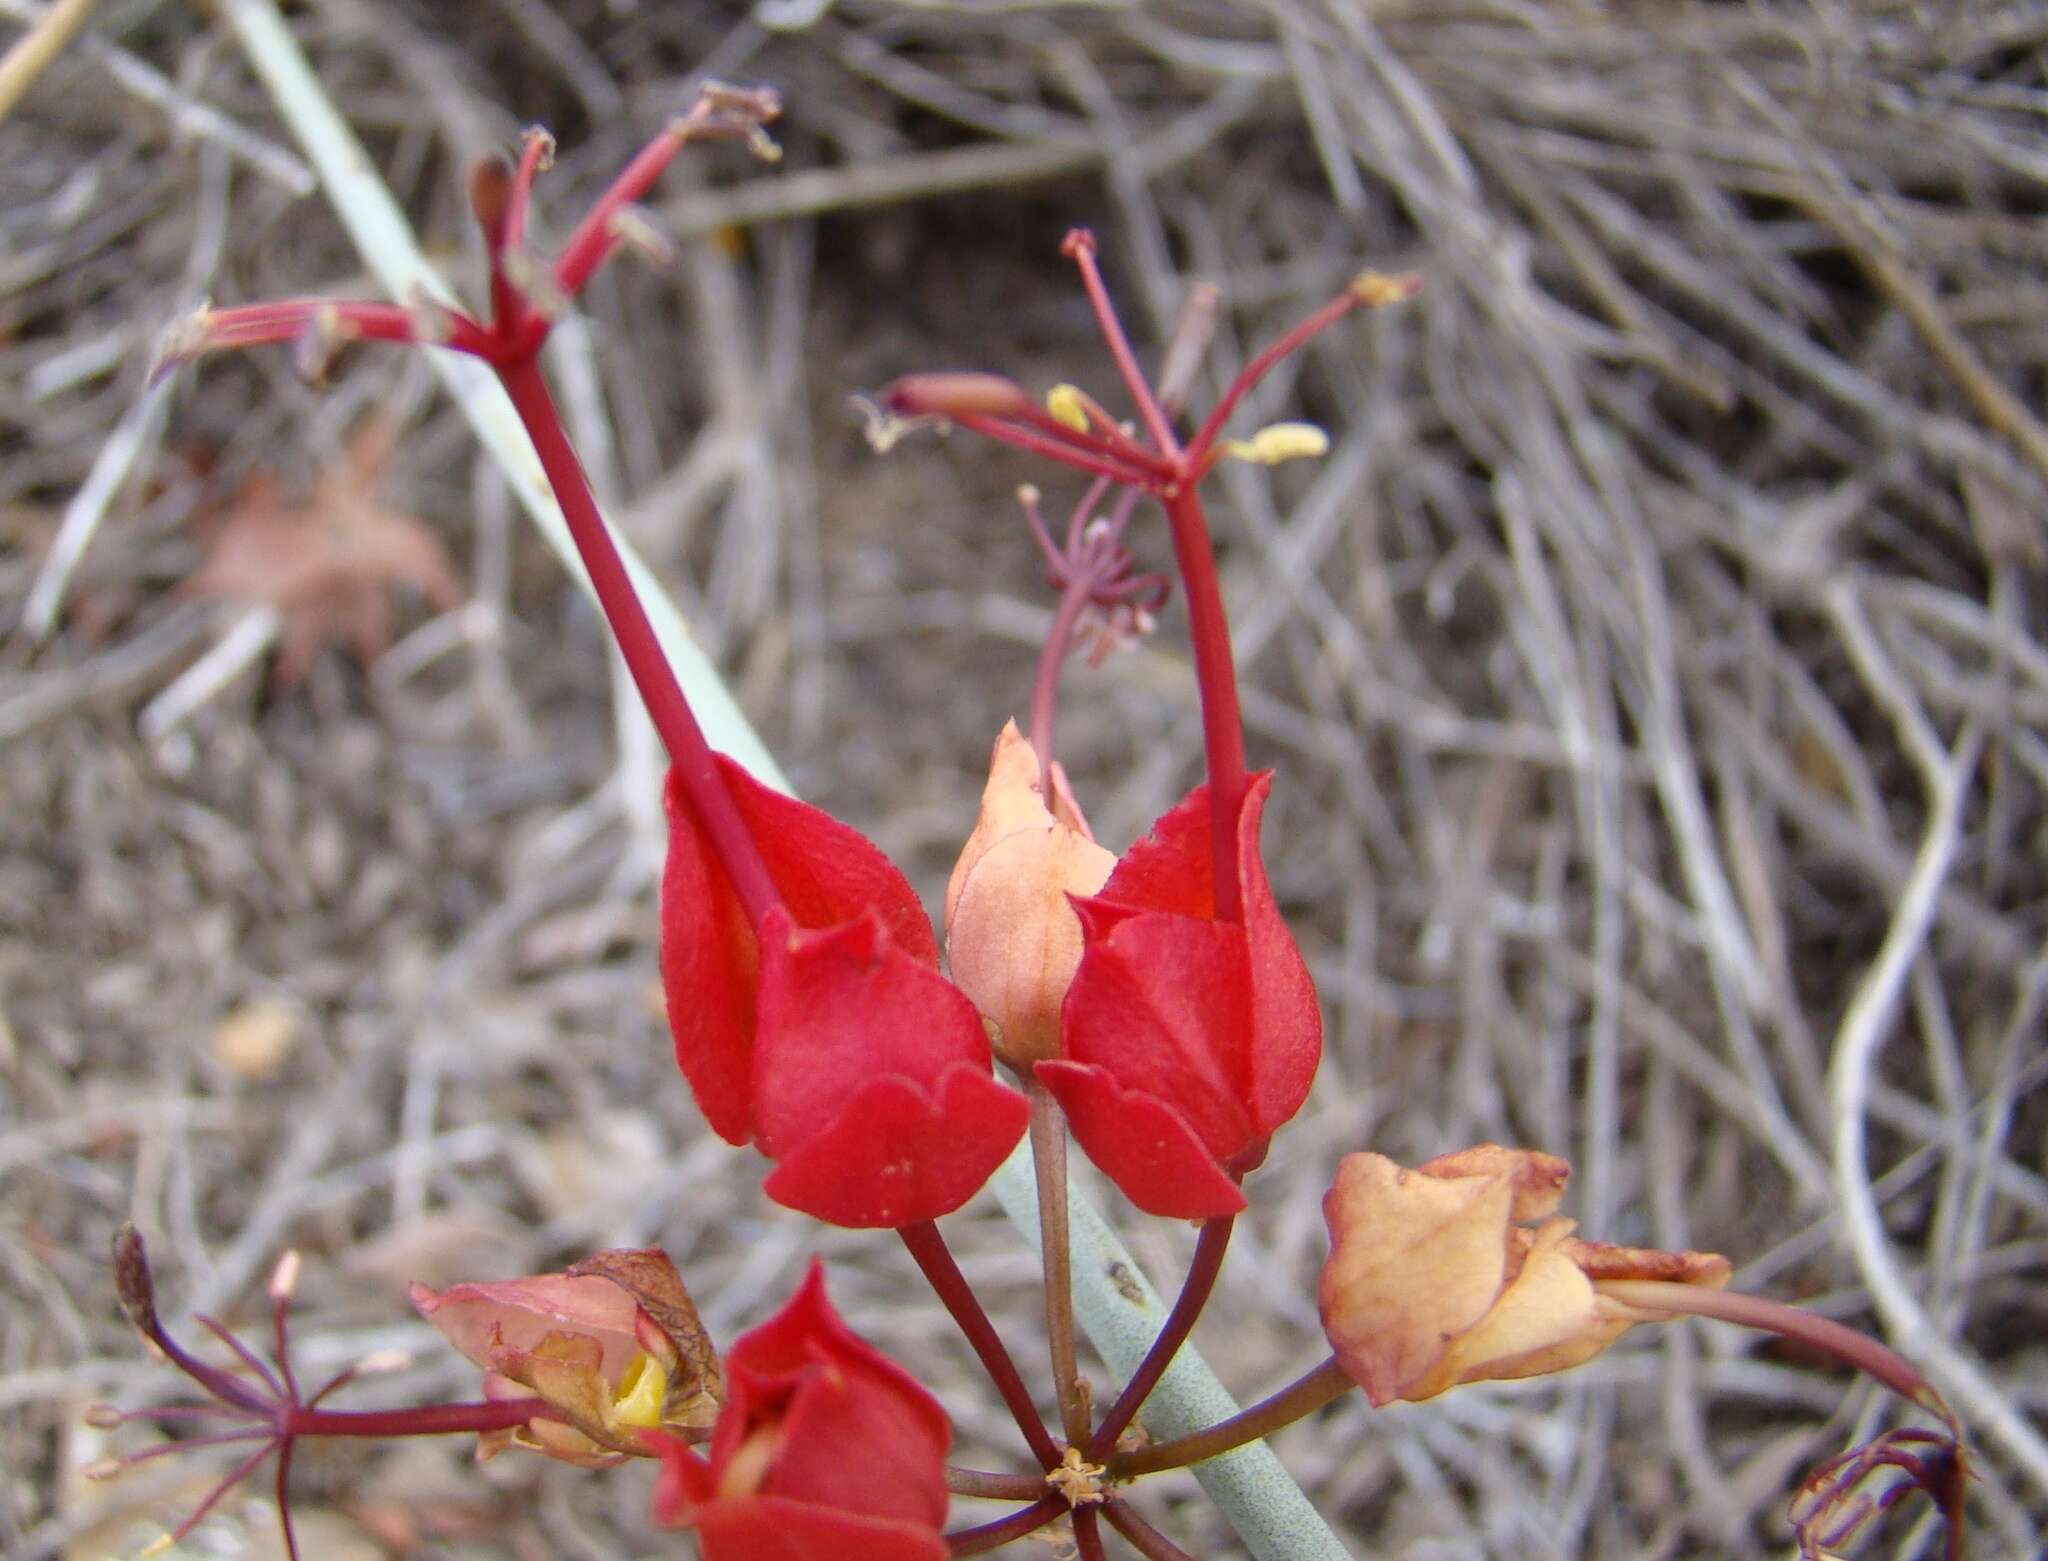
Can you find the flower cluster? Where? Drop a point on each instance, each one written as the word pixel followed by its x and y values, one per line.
pixel 1154 1004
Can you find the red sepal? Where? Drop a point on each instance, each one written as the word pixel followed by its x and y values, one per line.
pixel 765 1529
pixel 825 1450
pixel 1212 1024
pixel 710 961
pixel 872 1084
pixel 1142 1144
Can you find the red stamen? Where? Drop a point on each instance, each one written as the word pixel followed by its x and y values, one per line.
pixel 1079 247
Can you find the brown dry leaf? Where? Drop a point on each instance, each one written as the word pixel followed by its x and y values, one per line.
pixel 327 568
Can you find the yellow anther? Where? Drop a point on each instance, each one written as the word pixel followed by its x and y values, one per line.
pixel 1069 406
pixel 642 1393
pixel 1279 442
pixel 1375 289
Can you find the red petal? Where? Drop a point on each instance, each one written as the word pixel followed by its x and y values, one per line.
pixel 709 969
pixel 838 1008
pixel 1161 1004
pixel 1169 871
pixel 1287 1021
pixel 902 1151
pixel 765 1528
pixel 825 872
pixel 1142 1144
pixel 846 1412
pixel 686 1481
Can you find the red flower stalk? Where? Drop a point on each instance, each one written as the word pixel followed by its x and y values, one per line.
pixel 801 974
pixel 825 1448
pixel 261 1406
pixel 1191 1029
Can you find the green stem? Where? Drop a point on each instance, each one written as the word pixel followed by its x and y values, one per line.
pixel 1180 1322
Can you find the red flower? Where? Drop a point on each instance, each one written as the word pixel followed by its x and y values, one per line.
pixel 1185 1040
pixel 829 1038
pixel 826 1450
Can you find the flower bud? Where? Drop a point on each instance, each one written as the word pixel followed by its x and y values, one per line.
pixel 614 1345
pixel 1012 938
pixel 1435 1277
pixel 824 1448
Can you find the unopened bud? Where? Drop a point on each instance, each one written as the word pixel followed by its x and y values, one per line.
pixel 382 1363
pixel 131 1279
pixel 1013 941
pixel 955 394
pixel 284 1279
pixel 104 1469
pixel 102 1417
pixel 490 192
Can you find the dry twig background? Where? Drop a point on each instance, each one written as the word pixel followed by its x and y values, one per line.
pixel 1654 670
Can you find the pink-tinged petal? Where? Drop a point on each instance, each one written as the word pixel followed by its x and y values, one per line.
pixel 901 1151
pixel 1012 939
pixel 839 1008
pixel 518 1314
pixel 766 1528
pixel 825 872
pixel 1142 1144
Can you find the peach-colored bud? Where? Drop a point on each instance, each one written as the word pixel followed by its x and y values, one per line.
pixel 1435 1278
pixel 613 1345
pixel 956 394
pixel 1012 940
